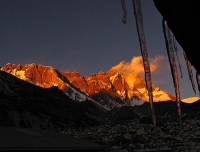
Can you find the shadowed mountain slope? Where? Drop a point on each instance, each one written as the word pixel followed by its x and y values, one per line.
pixel 27 105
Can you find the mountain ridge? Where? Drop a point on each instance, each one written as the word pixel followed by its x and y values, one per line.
pixel 109 89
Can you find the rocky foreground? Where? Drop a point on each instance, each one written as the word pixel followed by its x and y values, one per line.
pixel 139 135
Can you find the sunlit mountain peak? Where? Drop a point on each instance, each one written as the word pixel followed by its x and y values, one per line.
pixel 113 88
pixel 190 99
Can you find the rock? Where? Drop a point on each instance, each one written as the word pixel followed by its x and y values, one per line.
pixel 197 133
pixel 144 139
pixel 140 139
pixel 140 131
pixel 178 138
pixel 127 136
pixel 197 147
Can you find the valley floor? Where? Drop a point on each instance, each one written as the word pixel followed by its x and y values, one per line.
pixel 134 135
pixel 12 138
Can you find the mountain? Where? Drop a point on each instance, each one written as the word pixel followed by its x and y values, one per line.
pixel 23 104
pixel 45 77
pixel 116 89
pixel 191 99
pixel 110 89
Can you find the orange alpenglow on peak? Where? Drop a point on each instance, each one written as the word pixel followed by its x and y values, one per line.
pixel 131 72
pixel 190 99
pixel 121 85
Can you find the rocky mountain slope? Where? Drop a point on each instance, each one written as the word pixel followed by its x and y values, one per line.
pixel 45 77
pixel 116 88
pixel 110 89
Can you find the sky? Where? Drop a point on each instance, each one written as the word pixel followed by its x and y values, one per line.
pixel 86 36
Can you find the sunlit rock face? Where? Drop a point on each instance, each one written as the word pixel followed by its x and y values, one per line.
pixel 76 79
pixel 45 77
pixel 117 88
pixel 110 89
pixel 97 86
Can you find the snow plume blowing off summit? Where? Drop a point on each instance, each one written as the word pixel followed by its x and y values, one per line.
pixel 135 67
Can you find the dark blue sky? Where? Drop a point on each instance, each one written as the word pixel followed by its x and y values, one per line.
pixel 86 36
